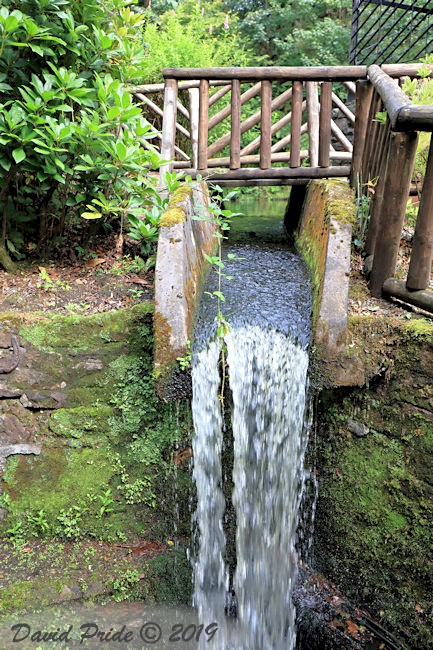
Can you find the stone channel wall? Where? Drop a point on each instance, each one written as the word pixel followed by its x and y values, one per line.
pixel 373 534
pixel 324 239
pixel 186 237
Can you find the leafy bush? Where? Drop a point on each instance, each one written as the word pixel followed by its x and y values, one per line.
pixel 73 143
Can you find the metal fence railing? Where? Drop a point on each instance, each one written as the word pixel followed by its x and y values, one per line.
pixel 390 31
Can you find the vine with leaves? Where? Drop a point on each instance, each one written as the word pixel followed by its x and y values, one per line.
pixel 221 216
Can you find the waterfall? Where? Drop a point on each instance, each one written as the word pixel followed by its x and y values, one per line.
pixel 267 377
pixel 210 574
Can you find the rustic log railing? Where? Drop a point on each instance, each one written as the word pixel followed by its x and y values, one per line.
pixel 292 132
pixel 384 153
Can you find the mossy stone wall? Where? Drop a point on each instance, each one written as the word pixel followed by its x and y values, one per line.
pixel 84 394
pixel 374 525
pixel 186 237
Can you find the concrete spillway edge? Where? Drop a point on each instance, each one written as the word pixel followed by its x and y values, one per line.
pixel 186 236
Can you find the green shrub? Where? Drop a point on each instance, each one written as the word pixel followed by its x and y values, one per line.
pixel 73 143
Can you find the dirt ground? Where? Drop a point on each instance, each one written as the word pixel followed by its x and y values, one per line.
pixel 98 281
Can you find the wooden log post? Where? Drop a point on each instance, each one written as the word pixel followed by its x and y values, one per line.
pixel 168 130
pixel 377 200
pixel 266 125
pixel 401 156
pixel 203 127
pixel 194 112
pixel 325 118
pixel 313 122
pixel 235 137
pixel 382 134
pixel 371 133
pixel 364 93
pixel 295 130
pixel 422 247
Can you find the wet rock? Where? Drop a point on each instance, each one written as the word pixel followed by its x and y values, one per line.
pixel 5 340
pixel 357 428
pixel 67 594
pixel 11 450
pixel 9 391
pixel 42 399
pixel 11 429
pixel 91 365
pixel 96 589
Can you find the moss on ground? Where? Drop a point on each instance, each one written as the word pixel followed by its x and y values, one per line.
pixel 78 333
pixel 112 444
pixel 83 426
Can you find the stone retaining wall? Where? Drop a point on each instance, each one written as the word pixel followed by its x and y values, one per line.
pixel 324 238
pixel 186 236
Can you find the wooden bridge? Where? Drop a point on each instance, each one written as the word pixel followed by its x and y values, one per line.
pixel 302 124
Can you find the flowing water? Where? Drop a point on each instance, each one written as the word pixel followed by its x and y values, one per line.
pixel 268 308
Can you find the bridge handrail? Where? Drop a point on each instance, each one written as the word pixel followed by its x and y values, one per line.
pixel 403 114
pixel 382 167
pixel 290 73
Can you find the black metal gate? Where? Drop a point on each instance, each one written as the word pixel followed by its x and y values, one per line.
pixel 391 31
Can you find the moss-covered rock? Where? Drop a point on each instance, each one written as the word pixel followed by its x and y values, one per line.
pixel 83 425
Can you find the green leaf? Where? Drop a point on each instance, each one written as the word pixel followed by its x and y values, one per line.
pixel 113 113
pixel 91 215
pixel 220 295
pixel 106 42
pixel 126 100
pixel 36 49
pixel 18 155
pixel 11 23
pixel 6 164
pixel 120 151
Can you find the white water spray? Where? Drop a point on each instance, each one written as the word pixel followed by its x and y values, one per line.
pixel 268 377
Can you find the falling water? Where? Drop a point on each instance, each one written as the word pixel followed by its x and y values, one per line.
pixel 268 308
pixel 267 378
pixel 210 573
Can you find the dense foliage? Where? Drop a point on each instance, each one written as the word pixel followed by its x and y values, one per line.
pixel 70 134
pixel 295 32
pixel 194 35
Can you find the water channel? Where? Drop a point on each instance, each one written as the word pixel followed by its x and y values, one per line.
pixel 249 446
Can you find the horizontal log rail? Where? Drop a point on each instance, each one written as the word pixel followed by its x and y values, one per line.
pixel 311 73
pixel 382 167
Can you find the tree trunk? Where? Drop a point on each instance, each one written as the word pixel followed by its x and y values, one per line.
pixel 5 260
